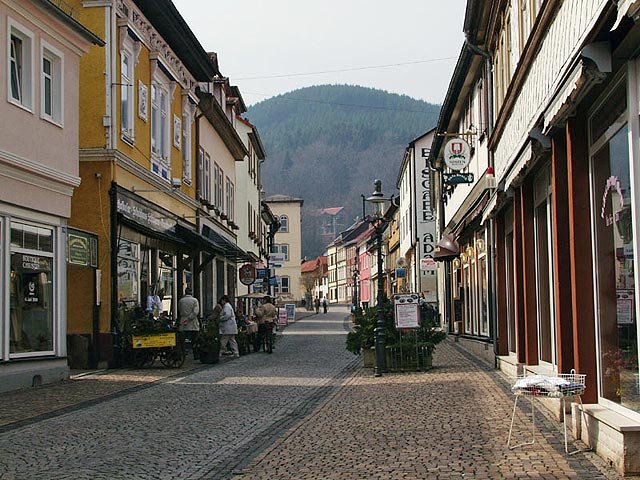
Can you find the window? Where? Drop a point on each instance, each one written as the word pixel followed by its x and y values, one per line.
pixel 20 70
pixel 32 290
pixel 186 148
pixel 229 200
pixel 160 142
pixel 510 280
pixel 126 95
pixel 51 84
pixel 128 273
pixel 544 270
pixel 284 223
pixel 283 285
pixel 217 187
pixel 281 248
pixel 615 258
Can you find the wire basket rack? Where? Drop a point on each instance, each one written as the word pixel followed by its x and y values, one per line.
pixel 557 386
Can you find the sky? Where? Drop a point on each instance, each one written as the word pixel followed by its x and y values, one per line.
pixel 264 46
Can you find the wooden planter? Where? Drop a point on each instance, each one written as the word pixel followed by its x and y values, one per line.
pixel 369 357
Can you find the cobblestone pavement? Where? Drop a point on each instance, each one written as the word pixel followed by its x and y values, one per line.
pixel 203 424
pixel 449 423
pixel 306 412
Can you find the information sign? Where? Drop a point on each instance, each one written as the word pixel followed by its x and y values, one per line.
pixel 290 308
pixel 407 310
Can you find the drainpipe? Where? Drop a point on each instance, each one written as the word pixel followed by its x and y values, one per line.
pixel 491 241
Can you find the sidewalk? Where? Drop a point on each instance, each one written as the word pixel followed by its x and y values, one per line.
pixel 449 423
pixel 25 406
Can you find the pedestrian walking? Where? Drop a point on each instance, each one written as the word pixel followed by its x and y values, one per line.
pixel 316 303
pixel 324 305
pixel 266 315
pixel 228 327
pixel 188 324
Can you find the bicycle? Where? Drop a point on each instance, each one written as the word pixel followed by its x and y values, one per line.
pixel 266 337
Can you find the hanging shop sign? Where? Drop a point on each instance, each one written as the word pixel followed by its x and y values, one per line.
pixel 247 273
pixel 457 154
pixel 457 178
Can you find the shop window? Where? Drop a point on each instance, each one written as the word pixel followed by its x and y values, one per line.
pixel 166 281
pixel 614 254
pixel 544 267
pixel 128 273
pixel 20 70
pixel 510 281
pixel 186 148
pixel 32 286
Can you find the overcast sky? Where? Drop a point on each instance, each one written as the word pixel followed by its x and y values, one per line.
pixel 282 38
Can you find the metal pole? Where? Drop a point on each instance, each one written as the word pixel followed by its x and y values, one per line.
pixel 380 357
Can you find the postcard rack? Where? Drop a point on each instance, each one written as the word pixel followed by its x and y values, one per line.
pixel 565 386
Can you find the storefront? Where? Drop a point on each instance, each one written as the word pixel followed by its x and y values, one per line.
pixel 33 312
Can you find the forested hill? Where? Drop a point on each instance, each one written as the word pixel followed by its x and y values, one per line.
pixel 326 144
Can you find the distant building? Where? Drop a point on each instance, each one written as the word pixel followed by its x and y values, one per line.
pixel 287 243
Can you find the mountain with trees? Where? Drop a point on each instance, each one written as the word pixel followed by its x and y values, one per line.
pixel 326 144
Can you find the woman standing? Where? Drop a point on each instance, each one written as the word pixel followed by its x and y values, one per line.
pixel 228 327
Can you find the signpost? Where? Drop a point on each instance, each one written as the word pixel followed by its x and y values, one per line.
pixel 407 310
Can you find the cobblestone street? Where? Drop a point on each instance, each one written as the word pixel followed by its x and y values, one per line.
pixel 306 412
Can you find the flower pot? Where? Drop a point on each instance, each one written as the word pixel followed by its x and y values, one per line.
pixel 369 357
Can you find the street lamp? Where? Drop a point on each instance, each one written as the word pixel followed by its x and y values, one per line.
pixel 355 299
pixel 379 224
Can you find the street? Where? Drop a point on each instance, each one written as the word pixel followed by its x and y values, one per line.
pixel 308 411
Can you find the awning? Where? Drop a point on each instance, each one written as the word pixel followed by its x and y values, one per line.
pixel 166 236
pixel 199 242
pixel 228 249
pixel 519 166
pixel 626 8
pixel 446 249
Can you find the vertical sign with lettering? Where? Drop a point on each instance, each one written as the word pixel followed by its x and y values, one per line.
pixel 426 221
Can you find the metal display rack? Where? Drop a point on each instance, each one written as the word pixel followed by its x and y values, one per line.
pixel 565 386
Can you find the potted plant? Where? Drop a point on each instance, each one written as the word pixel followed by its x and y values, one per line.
pixel 208 342
pixel 413 350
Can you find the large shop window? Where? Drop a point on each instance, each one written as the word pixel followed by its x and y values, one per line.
pixel 470 287
pixel 544 268
pixel 128 271
pixel 614 251
pixel 32 289
pixel 510 280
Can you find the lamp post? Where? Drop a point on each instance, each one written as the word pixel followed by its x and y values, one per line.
pixel 379 224
pixel 355 301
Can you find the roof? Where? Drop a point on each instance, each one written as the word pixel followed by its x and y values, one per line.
pixel 166 19
pixel 71 22
pixel 221 124
pixel 279 198
pixel 312 265
pixel 331 211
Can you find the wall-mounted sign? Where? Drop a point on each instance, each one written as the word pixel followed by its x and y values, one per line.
pixel 457 154
pixel 262 273
pixel 457 178
pixel 82 248
pixel 401 272
pixel 135 210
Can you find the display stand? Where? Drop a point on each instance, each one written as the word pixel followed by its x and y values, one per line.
pixel 565 386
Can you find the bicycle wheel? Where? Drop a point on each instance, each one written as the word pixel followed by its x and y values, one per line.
pixel 144 357
pixel 173 358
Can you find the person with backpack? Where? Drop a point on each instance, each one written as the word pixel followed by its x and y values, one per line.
pixel 324 305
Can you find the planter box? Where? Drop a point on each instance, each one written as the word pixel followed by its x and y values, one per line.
pixel 369 357
pixel 408 359
pixel 209 357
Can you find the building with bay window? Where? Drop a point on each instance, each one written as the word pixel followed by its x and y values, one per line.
pixel 158 154
pixel 43 45
pixel 559 225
